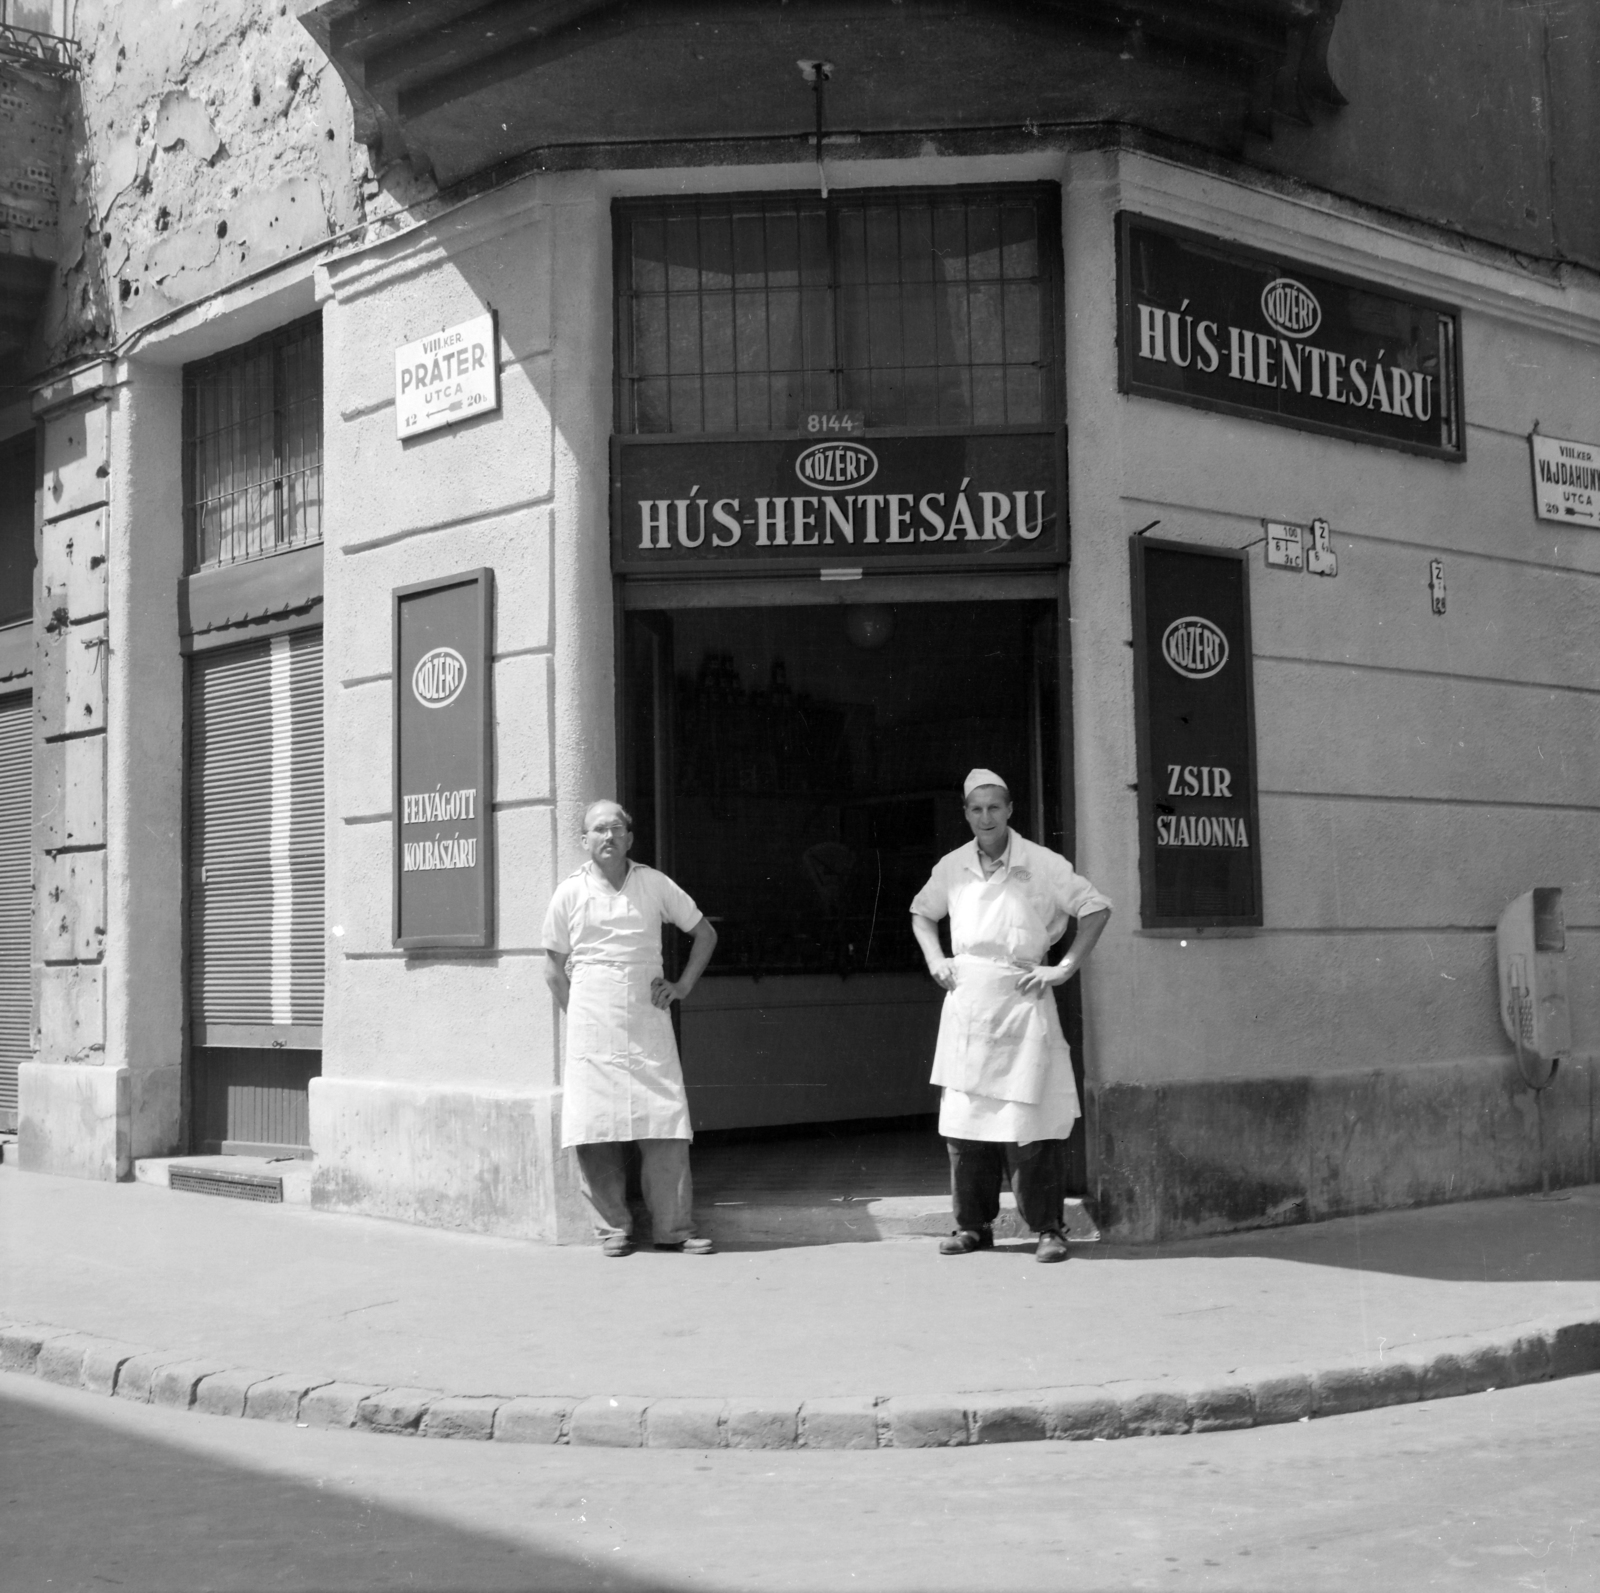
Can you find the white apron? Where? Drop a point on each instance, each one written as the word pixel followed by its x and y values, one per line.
pixel 623 1080
pixel 1001 1057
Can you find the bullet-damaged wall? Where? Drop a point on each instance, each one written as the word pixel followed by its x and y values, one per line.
pixel 209 141
pixel 1417 771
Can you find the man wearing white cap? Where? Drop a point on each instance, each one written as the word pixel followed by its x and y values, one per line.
pixel 1009 1099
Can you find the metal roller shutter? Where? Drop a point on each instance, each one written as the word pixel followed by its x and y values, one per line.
pixel 16 896
pixel 256 843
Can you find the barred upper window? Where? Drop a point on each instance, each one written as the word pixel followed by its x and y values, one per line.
pixel 17 471
pixel 252 420
pixel 925 309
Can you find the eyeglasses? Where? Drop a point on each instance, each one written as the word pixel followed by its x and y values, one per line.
pixel 608 829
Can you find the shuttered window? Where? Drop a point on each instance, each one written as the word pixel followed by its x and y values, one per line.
pixel 256 844
pixel 16 896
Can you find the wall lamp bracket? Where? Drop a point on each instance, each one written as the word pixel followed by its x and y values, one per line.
pixel 816 73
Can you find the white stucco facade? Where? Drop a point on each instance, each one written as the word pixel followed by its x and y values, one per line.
pixel 1416 770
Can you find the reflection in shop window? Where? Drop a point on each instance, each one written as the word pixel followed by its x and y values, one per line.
pixel 252 420
pixel 919 309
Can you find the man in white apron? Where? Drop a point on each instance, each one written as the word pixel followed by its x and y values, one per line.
pixel 1009 1098
pixel 623 1082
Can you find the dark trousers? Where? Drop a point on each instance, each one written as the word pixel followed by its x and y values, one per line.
pixel 1038 1180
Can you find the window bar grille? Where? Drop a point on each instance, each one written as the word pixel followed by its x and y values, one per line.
pixel 253 448
pixel 840 360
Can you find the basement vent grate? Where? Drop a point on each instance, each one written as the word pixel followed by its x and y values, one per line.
pixel 237 1186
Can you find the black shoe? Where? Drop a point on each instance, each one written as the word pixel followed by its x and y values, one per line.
pixel 965 1240
pixel 1052 1246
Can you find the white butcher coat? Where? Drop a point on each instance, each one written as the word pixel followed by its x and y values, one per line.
pixel 1001 1059
pixel 623 1079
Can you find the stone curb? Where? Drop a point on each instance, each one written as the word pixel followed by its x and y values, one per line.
pixel 1530 1352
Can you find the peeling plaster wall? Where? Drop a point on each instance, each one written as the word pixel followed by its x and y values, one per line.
pixel 211 139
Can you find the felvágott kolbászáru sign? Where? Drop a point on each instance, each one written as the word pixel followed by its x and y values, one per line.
pixel 443 774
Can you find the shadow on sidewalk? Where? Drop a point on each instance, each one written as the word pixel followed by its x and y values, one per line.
pixel 89 1506
pixel 1522 1239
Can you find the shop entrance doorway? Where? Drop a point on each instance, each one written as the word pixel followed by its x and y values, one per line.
pixel 797 768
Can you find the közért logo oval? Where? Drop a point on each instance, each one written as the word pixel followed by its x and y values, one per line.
pixel 836 466
pixel 1194 647
pixel 1291 307
pixel 438 678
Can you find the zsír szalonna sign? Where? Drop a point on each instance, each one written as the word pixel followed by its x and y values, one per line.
pixel 1199 863
pixel 1218 326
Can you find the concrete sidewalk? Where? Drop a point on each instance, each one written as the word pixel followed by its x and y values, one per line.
pixel 302 1315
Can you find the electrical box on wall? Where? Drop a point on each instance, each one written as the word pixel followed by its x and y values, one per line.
pixel 1531 942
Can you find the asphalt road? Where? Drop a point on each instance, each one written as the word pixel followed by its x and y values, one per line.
pixel 1499 1490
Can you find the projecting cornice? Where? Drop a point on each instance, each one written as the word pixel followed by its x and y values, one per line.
pixel 458 86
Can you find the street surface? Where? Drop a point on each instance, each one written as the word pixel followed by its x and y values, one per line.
pixel 1497 1490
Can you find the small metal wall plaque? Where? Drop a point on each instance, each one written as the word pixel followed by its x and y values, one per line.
pixel 451 376
pixel 1566 480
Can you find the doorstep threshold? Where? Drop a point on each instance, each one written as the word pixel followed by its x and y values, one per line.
pixel 807 1216
pixel 275 1178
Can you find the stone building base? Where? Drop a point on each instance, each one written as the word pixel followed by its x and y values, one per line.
pixel 1183 1159
pixel 482 1160
pixel 75 1120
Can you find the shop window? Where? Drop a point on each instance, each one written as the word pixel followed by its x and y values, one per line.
pixel 253 448
pixel 917 309
pixel 16 529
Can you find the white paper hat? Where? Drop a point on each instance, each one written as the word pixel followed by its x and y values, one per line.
pixel 980 777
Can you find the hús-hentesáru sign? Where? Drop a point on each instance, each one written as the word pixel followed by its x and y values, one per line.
pixel 761 504
pixel 1210 323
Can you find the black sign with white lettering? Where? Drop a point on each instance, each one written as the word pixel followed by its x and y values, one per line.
pixel 994 499
pixel 1199 853
pixel 1213 324
pixel 443 774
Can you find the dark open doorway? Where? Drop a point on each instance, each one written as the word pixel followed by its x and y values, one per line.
pixel 798 770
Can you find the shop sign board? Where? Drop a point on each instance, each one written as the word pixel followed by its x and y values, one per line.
pixel 443 762
pixel 875 499
pixel 447 377
pixel 1199 839
pixel 1566 480
pixel 1210 323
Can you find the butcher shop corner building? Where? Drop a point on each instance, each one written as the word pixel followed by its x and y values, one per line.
pixel 771 500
